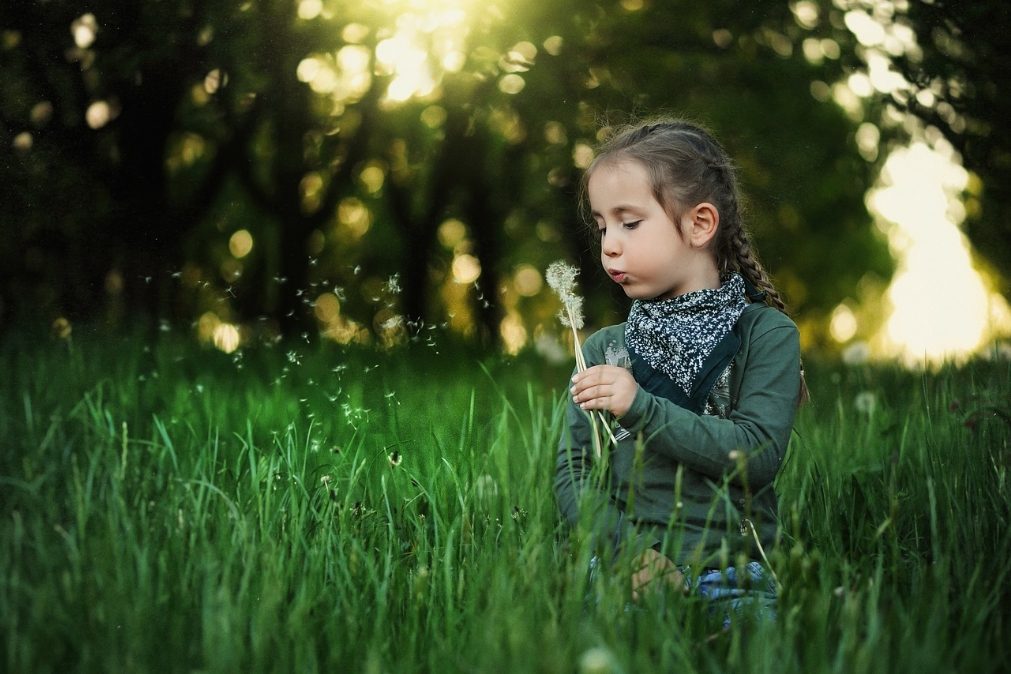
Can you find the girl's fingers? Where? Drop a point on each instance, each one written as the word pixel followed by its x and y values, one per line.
pixel 591 393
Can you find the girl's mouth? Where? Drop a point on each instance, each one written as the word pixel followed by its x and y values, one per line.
pixel 617 276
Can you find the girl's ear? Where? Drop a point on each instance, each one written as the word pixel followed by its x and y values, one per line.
pixel 705 219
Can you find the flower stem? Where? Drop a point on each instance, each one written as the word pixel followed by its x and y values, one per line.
pixel 596 415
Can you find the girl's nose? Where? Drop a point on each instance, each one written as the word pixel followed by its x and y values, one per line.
pixel 609 246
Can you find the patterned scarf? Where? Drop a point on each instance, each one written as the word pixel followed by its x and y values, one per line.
pixel 675 336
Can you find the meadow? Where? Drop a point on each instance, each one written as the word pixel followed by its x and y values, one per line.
pixel 304 507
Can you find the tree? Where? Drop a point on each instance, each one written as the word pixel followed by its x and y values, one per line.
pixel 951 55
pixel 281 118
pixel 96 113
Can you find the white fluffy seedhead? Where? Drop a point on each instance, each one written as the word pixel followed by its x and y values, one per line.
pixel 562 279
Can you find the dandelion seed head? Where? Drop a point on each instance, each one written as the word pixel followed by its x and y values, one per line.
pixel 865 402
pixel 562 278
pixel 596 660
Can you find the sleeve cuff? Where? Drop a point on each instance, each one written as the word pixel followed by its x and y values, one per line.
pixel 634 420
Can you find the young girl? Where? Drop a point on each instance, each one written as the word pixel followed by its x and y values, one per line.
pixel 703 379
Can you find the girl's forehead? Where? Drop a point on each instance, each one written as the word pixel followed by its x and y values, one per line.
pixel 624 180
pixel 624 172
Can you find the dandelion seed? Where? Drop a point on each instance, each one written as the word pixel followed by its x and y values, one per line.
pixel 393 284
pixel 734 455
pixel 325 479
pixel 395 458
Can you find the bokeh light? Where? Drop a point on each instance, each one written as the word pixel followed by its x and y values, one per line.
pixel 84 29
pixel 528 280
pixel 240 243
pixel 941 306
pixel 466 268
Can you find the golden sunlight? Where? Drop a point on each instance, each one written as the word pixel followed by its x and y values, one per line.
pixel 427 41
pixel 940 305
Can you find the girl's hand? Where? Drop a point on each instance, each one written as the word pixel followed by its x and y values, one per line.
pixel 653 566
pixel 604 387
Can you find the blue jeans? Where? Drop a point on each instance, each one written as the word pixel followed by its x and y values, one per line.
pixel 750 590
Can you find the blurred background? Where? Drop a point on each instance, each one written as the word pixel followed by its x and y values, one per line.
pixel 379 171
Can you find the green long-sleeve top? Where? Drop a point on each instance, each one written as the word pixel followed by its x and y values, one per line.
pixel 684 481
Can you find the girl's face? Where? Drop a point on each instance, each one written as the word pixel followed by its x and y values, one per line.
pixel 639 245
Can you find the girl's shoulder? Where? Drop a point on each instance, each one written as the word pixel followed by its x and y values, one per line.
pixel 759 318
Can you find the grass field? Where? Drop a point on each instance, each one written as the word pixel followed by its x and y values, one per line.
pixel 308 508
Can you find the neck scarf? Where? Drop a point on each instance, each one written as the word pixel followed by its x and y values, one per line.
pixel 676 335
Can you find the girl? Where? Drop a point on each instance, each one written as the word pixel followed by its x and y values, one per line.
pixel 703 378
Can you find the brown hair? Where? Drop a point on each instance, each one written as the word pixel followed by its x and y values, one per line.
pixel 687 166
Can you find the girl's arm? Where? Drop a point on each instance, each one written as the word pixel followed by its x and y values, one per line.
pixel 758 428
pixel 759 425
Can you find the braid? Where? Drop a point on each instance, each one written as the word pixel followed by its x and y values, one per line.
pixel 748 265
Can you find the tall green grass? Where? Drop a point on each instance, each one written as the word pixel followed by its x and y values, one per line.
pixel 301 508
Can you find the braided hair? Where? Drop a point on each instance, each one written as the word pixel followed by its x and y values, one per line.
pixel 687 166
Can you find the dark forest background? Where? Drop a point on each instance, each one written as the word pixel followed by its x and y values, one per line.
pixel 145 145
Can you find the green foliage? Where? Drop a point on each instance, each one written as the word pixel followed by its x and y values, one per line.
pixel 213 130
pixel 305 508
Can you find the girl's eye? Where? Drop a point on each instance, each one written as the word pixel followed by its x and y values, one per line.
pixel 631 225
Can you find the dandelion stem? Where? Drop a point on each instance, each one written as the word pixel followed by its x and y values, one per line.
pixel 597 415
